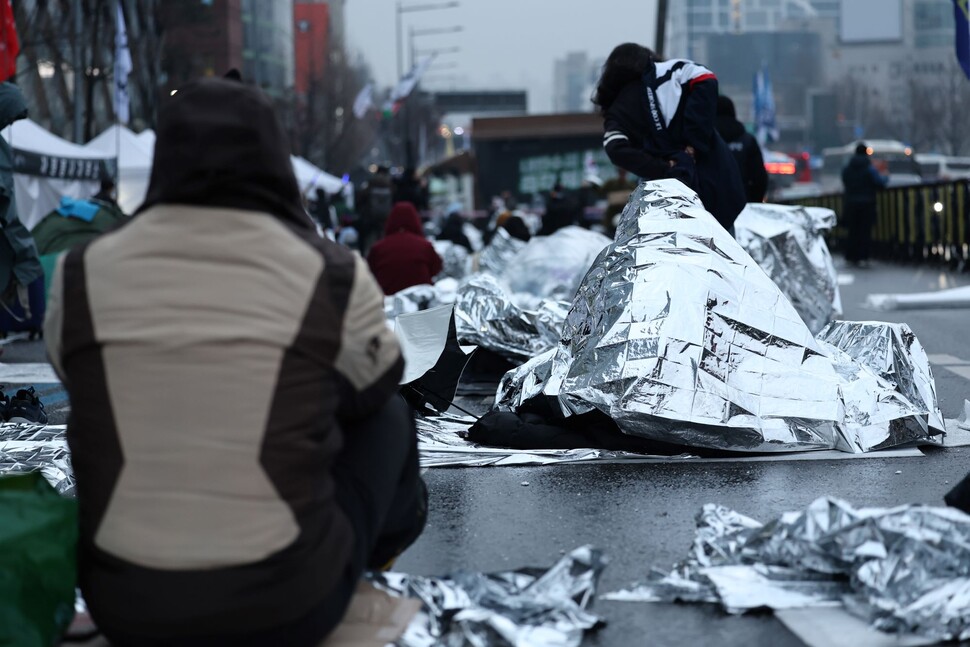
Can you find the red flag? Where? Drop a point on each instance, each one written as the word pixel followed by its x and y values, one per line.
pixel 9 43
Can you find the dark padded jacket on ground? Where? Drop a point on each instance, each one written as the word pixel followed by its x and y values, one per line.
pixel 213 347
pixel 642 138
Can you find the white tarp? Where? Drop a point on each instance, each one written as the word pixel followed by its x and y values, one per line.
pixel 310 177
pixel 38 195
pixel 134 163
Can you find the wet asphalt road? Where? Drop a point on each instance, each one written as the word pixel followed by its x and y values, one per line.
pixel 643 515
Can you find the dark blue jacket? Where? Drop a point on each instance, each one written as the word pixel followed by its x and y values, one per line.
pixel 861 180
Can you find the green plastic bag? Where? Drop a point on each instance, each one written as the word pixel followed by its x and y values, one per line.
pixel 38 566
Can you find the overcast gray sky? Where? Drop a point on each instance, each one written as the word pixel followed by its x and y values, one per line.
pixel 506 44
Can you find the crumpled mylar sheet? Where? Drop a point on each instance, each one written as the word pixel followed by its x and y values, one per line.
pixel 678 336
pixel 486 316
pixel 788 243
pixel 526 608
pixel 441 444
pixel 904 569
pixel 28 448
pixel 552 267
pixel 499 251
pixel 456 262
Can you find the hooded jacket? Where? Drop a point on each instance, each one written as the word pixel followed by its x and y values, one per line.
pixel 746 151
pixel 861 180
pixel 213 347
pixel 18 255
pixel 653 120
pixel 403 258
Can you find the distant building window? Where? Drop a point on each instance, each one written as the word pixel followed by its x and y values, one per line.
pixel 933 15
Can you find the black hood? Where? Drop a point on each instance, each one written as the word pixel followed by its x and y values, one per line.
pixel 729 128
pixel 220 144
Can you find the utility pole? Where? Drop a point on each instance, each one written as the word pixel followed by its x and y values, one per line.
pixel 78 72
pixel 661 27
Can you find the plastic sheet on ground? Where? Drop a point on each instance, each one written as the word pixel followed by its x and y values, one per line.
pixel 26 448
pixel 486 316
pixel 904 569
pixel 441 444
pixel 952 298
pixel 788 243
pixel 552 267
pixel 678 336
pixel 526 608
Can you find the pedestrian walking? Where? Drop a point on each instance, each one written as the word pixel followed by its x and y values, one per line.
pixel 659 122
pixel 745 148
pixel 861 181
pixel 240 450
pixel 373 206
pixel 404 257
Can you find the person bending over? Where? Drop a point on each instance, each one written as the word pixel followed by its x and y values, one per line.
pixel 659 122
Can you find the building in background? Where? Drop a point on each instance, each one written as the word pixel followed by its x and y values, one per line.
pixel 864 63
pixel 201 39
pixel 268 60
pixel 572 83
pixel 312 43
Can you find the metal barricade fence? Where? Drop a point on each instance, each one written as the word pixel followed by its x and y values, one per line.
pixel 921 223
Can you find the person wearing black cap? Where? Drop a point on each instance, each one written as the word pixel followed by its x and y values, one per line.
pixel 240 450
pixel 745 149
pixel 862 182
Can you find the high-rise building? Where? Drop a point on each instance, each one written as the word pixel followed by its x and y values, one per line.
pixel 267 54
pixel 572 83
pixel 312 43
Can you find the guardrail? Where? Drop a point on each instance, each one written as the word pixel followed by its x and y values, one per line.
pixel 922 223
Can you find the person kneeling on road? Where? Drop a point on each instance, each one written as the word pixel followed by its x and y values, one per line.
pixel 240 450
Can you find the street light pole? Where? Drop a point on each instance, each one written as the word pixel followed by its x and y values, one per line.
pixel 397 31
pixel 78 72
pixel 661 27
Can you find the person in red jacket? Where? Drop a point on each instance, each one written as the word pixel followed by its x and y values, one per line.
pixel 403 257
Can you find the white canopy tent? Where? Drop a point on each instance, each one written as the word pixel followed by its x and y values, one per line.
pixel 134 164
pixel 311 177
pixel 308 175
pixel 47 167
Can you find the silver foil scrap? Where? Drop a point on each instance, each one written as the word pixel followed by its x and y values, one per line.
pixel 525 608
pixel 788 243
pixel 679 336
pixel 904 569
pixel 499 251
pixel 486 316
pixel 552 267
pixel 43 448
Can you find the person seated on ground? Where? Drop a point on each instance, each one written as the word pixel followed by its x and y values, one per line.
pixel 453 231
pixel 404 257
pixel 517 228
pixel 348 235
pixel 240 450
pixel 562 210
pixel 106 195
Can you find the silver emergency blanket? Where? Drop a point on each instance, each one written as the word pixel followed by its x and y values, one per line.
pixel 28 448
pixel 678 336
pixel 499 251
pixel 486 316
pixel 441 443
pixel 455 260
pixel 420 297
pixel 552 267
pixel 788 243
pixel 904 569
pixel 525 608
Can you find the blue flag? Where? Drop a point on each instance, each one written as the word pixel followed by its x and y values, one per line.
pixel 766 126
pixel 961 13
